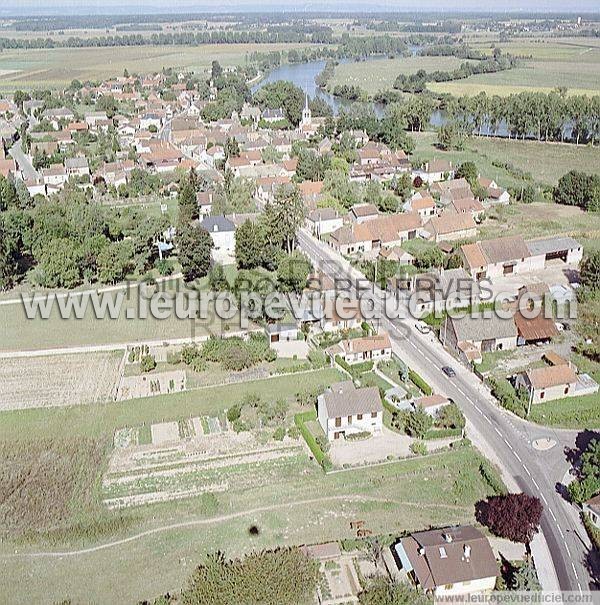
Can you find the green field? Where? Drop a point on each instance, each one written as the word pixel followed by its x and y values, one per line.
pixel 289 499
pixel 55 68
pixel 572 413
pixel 546 162
pixel 380 74
pixel 20 333
pixel 102 420
pixel 541 219
pixel 554 63
pixel 295 503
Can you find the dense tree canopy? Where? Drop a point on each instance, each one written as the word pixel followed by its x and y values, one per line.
pixel 515 517
pixel 194 245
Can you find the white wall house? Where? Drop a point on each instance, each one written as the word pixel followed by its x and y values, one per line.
pixel 344 410
pixel 448 562
pixel 222 231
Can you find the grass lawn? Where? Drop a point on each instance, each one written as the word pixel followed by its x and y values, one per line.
pixel 293 502
pixel 540 220
pixel 380 74
pixel 554 63
pixel 546 162
pixel 102 420
pixel 425 149
pixel 571 413
pixel 56 68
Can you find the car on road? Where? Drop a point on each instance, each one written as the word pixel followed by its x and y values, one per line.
pixel 449 371
pixel 423 327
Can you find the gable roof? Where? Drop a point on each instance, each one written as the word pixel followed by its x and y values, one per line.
pixel 449 556
pixel 535 328
pixel 217 224
pixel 450 223
pixel 482 326
pixel 551 376
pixel 343 399
pixel 504 249
pixel 551 245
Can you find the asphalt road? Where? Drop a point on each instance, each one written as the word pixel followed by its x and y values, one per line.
pixel 504 438
pixel 16 151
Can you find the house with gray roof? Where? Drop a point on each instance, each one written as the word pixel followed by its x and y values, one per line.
pixel 471 334
pixel 344 410
pixel 222 231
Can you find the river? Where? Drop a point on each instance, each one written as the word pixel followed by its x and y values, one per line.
pixel 303 75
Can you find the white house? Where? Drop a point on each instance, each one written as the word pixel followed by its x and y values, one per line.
pixel 549 383
pixel 435 171
pixel 449 562
pixel 323 221
pixel 205 202
pixel 592 508
pixel 363 349
pixel 345 410
pixel 222 231
pixel 55 175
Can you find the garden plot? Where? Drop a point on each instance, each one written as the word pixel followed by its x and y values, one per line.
pixel 58 380
pixel 147 385
pixel 165 432
pixel 207 463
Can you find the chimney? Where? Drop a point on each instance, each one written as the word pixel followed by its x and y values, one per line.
pixel 448 538
pixel 467 551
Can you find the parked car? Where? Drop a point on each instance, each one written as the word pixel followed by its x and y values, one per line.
pixel 449 371
pixel 423 327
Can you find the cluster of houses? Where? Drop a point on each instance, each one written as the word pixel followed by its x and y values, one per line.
pixel 447 211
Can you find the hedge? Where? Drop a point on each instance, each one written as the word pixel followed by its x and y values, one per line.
pixel 354 370
pixel 419 382
pixel 317 452
pixel 442 433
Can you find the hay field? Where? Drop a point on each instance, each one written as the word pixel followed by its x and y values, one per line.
pixel 59 380
pixel 56 67
pixel 380 74
pixel 554 63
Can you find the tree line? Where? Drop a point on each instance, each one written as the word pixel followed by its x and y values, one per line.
pixel 553 116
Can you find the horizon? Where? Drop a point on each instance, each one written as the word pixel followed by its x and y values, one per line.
pixel 33 8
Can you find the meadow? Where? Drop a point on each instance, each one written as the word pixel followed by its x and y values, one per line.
pixel 549 63
pixel 288 498
pixel 291 502
pixel 57 67
pixel 545 162
pixel 23 334
pixel 380 74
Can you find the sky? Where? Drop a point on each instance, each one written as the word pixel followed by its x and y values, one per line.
pixel 63 7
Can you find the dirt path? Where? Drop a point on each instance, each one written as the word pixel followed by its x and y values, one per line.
pixel 220 519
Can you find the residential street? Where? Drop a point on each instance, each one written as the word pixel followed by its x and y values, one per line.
pixel 29 172
pixel 503 438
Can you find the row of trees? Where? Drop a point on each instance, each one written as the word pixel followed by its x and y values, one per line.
pixel 552 116
pixel 417 82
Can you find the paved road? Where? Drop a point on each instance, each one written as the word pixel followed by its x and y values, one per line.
pixel 29 172
pixel 504 439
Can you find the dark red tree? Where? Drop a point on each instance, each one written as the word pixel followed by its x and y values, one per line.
pixel 513 516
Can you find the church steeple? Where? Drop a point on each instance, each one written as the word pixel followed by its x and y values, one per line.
pixel 306 113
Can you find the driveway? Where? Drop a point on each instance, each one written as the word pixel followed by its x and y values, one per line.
pixel 377 448
pixel 289 348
